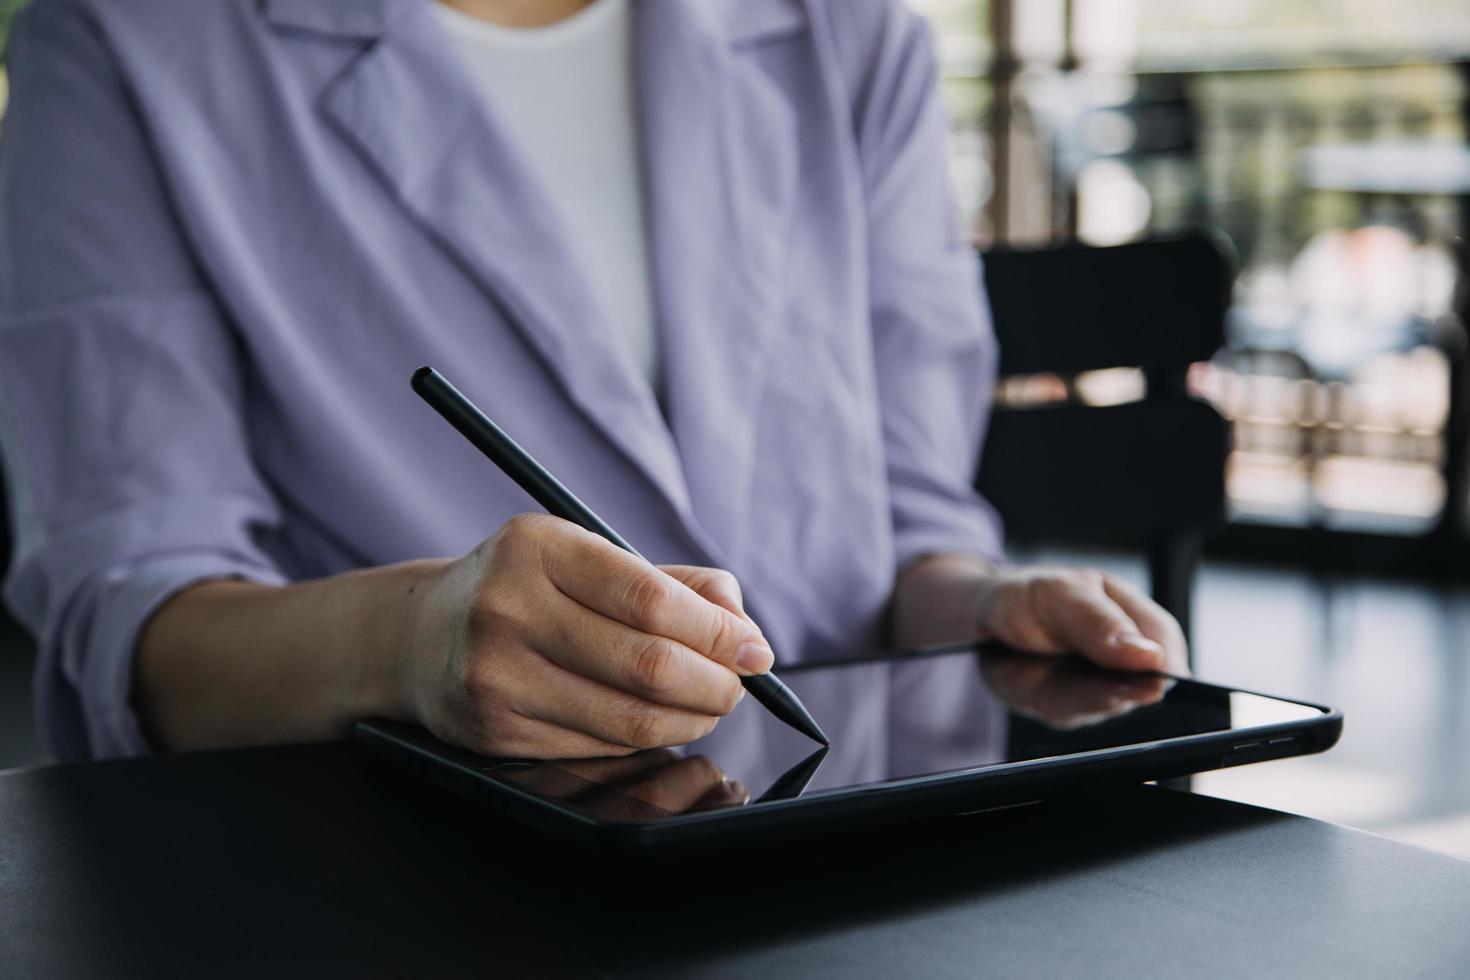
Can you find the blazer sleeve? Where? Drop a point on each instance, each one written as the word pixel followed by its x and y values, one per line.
pixel 933 343
pixel 125 450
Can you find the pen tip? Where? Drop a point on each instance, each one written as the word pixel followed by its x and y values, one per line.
pixel 802 720
pixel 814 731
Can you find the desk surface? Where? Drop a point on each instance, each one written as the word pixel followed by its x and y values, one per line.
pixel 319 860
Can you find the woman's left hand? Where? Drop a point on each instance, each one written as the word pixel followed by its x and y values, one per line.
pixel 950 598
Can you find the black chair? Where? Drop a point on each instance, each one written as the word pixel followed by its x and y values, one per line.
pixel 1146 474
pixel 8 626
pixel 13 638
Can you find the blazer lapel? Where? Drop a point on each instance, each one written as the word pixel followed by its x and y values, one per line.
pixel 720 152
pixel 409 108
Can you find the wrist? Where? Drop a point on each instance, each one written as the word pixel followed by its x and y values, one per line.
pixel 387 610
pixel 940 598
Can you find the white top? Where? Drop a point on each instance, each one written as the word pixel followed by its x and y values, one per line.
pixel 565 93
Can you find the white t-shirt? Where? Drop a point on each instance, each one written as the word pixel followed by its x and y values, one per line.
pixel 565 93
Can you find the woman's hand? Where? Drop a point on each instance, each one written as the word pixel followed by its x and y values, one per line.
pixel 544 641
pixel 951 598
pixel 547 641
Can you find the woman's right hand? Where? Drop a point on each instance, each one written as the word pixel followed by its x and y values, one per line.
pixel 547 641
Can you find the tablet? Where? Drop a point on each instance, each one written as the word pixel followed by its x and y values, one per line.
pixel 914 735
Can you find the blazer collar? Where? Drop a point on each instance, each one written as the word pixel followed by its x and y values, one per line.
pixel 353 19
pixel 719 147
pixel 735 21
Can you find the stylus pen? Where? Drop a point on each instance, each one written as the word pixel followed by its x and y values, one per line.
pixel 548 491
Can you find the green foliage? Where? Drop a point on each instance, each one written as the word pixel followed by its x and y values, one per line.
pixel 8 9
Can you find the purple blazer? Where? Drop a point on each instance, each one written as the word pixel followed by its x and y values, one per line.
pixel 229 231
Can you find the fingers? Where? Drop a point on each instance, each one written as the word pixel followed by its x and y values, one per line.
pixel 654 668
pixel 625 588
pixel 714 584
pixel 1087 619
pixel 1153 622
pixel 1054 610
pixel 561 645
pixel 530 738
pixel 604 713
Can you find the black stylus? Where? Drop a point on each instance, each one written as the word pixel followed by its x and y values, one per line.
pixel 548 491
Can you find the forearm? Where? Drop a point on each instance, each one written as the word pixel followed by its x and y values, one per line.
pixel 236 663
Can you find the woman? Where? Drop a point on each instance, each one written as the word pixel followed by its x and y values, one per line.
pixel 697 255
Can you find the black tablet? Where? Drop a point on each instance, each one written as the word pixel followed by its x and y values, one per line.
pixel 913 735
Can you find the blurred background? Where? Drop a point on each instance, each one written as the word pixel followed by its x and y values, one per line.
pixel 1325 143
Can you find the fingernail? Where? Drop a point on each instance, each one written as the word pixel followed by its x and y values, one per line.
pixel 754 658
pixel 1136 641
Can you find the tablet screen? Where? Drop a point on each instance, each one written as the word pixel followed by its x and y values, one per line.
pixel 894 719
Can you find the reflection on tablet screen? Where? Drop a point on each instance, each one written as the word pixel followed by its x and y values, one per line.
pixel 896 719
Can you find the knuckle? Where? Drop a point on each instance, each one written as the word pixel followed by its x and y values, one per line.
pixel 493 730
pixel 728 630
pixel 515 529
pixel 479 688
pixel 1089 579
pixel 492 739
pixel 1042 589
pixel 1021 624
pixel 485 697
pixel 723 581
pixel 644 598
pixel 487 619
pixel 643 728
pixel 655 667
pixel 520 534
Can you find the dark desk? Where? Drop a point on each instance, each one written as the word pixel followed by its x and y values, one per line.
pixel 316 860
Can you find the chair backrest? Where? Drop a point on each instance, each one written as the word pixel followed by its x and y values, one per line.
pixel 1147 474
pixel 5 544
pixel 1158 305
pixel 8 626
pixel 1134 471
